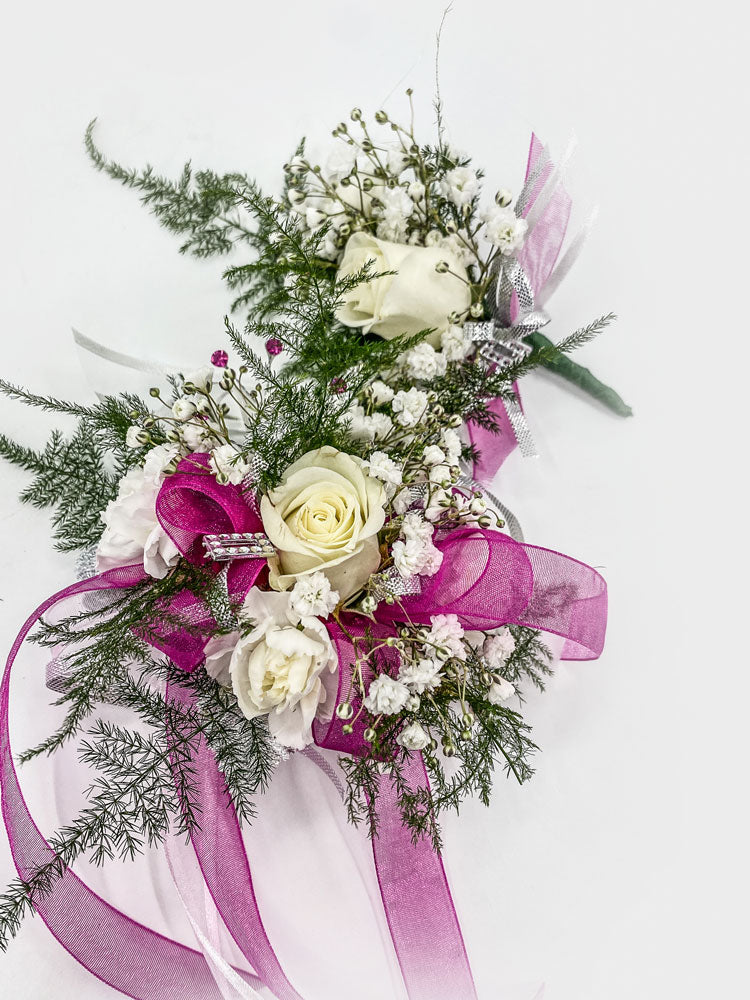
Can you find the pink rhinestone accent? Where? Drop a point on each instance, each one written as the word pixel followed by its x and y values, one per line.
pixel 274 346
pixel 219 359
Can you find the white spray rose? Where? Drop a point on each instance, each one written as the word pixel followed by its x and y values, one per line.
pixel 414 299
pixel 279 670
pixel 325 516
pixel 132 532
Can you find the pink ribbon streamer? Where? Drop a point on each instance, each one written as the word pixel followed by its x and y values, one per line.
pixel 537 258
pixel 486 578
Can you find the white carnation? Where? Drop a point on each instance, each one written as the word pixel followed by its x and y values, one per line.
pixel 386 696
pixel 132 532
pixel 313 597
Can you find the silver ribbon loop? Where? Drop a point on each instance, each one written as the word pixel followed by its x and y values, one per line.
pixel 501 342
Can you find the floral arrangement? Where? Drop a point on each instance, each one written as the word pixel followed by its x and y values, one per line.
pixel 291 548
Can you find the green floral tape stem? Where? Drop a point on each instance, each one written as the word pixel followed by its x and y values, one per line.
pixel 580 376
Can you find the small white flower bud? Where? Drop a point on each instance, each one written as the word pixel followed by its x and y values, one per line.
pixel 183 409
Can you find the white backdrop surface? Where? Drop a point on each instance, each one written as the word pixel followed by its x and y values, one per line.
pixel 620 871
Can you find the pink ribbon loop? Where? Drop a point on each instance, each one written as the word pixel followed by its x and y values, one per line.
pixel 191 504
pixel 488 580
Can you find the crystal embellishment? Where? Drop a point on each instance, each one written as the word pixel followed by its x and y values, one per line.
pixel 236 545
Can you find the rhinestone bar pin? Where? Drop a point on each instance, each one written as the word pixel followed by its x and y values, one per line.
pixel 226 547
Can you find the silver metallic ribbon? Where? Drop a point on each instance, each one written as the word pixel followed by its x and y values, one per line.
pixel 501 342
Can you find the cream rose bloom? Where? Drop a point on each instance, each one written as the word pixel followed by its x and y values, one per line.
pixel 325 516
pixel 415 298
pixel 279 669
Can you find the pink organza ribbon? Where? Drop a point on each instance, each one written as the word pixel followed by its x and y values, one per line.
pixel 537 258
pixel 486 579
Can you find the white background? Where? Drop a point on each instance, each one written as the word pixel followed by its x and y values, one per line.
pixel 620 871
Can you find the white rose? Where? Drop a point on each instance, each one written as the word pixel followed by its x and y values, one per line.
pixel 132 532
pixel 325 515
pixel 413 737
pixel 414 299
pixel 278 669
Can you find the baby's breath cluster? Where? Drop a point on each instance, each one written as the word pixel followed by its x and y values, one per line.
pixel 381 179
